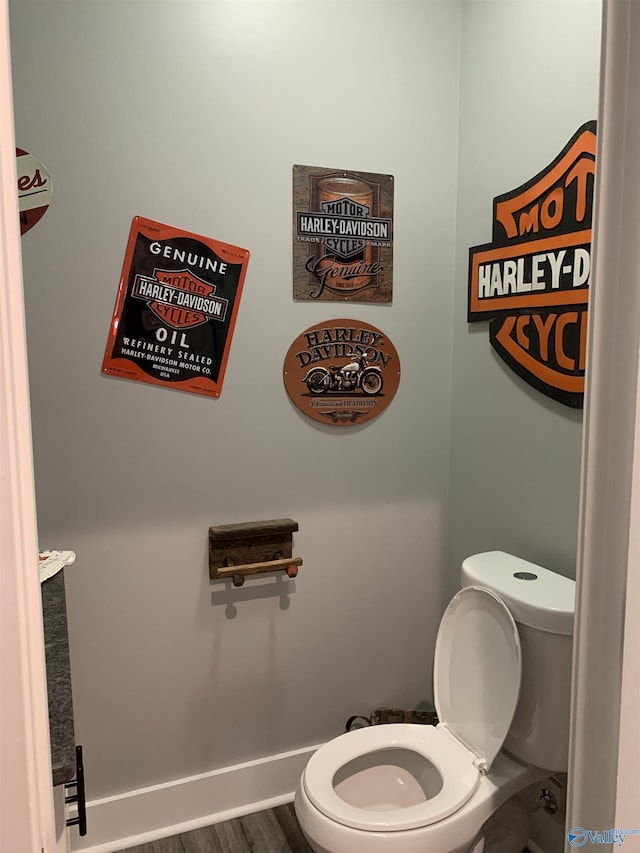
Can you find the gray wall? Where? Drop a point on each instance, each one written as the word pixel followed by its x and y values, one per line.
pixel 529 80
pixel 193 114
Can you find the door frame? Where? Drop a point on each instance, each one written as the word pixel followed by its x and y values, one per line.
pixel 605 748
pixel 27 822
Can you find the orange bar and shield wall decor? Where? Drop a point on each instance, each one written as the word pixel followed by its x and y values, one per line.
pixel 532 280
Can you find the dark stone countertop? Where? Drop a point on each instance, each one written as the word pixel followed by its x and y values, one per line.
pixel 56 643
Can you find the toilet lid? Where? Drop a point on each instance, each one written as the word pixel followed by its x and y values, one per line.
pixel 477 671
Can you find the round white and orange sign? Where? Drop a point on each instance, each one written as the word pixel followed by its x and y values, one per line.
pixel 34 189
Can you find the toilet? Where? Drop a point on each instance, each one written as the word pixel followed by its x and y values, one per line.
pixel 502 673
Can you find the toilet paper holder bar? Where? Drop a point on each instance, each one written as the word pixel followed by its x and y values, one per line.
pixel 252 548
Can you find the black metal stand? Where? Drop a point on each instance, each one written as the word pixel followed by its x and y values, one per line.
pixel 79 797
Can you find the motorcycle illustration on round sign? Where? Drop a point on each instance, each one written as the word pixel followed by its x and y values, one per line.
pixel 356 374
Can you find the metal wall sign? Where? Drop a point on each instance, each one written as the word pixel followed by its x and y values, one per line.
pixel 532 280
pixel 341 372
pixel 176 309
pixel 35 189
pixel 342 235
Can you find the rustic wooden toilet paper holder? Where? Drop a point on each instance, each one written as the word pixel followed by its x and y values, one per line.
pixel 252 548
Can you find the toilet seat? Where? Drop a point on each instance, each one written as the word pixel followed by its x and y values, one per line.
pixel 477 673
pixel 438 746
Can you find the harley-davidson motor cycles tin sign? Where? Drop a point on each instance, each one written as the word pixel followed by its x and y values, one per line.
pixel 342 235
pixel 341 372
pixel 176 309
pixel 532 280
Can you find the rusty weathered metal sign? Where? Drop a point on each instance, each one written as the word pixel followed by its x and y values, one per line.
pixel 342 235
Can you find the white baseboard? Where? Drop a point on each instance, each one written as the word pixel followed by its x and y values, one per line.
pixel 137 817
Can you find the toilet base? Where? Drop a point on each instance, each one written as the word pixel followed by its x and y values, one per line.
pixel 509 828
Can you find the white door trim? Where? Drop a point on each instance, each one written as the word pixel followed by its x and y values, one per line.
pixel 26 800
pixel 605 748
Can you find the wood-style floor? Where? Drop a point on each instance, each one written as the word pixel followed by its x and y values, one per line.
pixel 272 831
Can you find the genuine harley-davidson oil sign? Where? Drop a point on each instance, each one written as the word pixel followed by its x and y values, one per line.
pixel 341 372
pixel 532 280
pixel 175 309
pixel 342 235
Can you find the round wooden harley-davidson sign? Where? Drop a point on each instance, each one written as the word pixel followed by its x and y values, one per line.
pixel 341 372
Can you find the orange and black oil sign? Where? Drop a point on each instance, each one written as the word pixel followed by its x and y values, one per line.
pixel 176 309
pixel 532 280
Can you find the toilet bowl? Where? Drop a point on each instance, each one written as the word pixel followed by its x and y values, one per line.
pixel 405 788
pixel 347 831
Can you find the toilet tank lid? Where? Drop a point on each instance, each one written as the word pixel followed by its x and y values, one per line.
pixel 536 597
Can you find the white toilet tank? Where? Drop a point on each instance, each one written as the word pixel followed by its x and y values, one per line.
pixel 542 605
